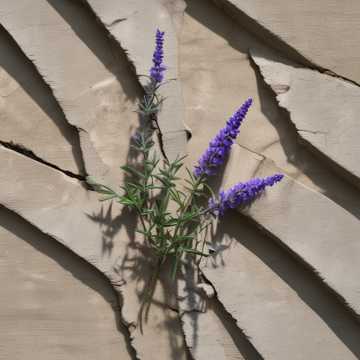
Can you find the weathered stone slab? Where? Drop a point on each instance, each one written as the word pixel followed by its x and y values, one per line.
pixel 207 337
pixel 104 236
pixel 133 24
pixel 29 115
pixel 324 32
pixel 323 109
pixel 217 76
pixel 90 79
pixel 176 10
pixel 280 307
pixel 97 96
pixel 206 330
pixel 317 230
pixel 53 305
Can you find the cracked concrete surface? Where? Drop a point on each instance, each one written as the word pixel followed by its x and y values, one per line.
pixel 322 33
pixel 27 107
pixel 135 34
pixel 114 251
pixel 334 249
pixel 97 93
pixel 284 276
pixel 330 127
pixel 262 272
pixel 51 300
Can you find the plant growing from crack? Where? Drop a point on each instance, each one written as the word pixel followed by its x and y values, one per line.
pixel 175 212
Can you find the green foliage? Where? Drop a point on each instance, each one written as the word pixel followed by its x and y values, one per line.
pixel 172 217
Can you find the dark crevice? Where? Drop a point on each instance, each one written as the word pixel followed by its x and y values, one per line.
pixel 117 48
pixel 82 270
pixel 92 32
pixel 240 339
pixel 335 301
pixel 299 276
pixel 337 188
pixel 267 37
pixel 103 44
pixel 124 328
pixel 23 70
pixel 335 182
pixel 189 355
pixel 20 149
pixel 113 23
pixel 351 180
pixel 187 350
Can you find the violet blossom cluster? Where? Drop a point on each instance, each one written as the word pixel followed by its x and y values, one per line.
pixel 158 68
pixel 220 146
pixel 241 194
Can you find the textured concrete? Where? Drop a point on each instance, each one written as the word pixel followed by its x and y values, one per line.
pixel 208 330
pixel 216 81
pixel 283 278
pixel 306 227
pixel 97 93
pixel 330 127
pixel 29 114
pixel 133 25
pixel 279 305
pixel 207 336
pixel 103 236
pixel 322 32
pixel 53 301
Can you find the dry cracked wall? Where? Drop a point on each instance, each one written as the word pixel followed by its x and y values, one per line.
pixel 283 282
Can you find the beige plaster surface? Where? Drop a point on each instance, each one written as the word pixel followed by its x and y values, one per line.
pixel 97 94
pixel 103 236
pixel 133 25
pixel 28 116
pixel 207 336
pixel 325 33
pixel 330 127
pixel 280 285
pixel 53 305
pixel 219 77
pixel 305 214
pixel 273 298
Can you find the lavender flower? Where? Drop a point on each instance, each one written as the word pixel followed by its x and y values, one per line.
pixel 157 70
pixel 220 146
pixel 241 194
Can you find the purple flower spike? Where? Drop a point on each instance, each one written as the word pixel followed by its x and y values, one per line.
pixel 220 146
pixel 158 68
pixel 241 194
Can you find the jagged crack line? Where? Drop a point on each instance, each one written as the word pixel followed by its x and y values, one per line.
pixel 20 149
pixel 107 29
pixel 281 45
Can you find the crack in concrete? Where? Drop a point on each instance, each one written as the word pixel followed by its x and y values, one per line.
pixel 301 138
pixel 245 346
pixel 312 131
pixel 313 270
pixel 266 36
pixel 21 149
pixel 115 22
pixel 106 28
